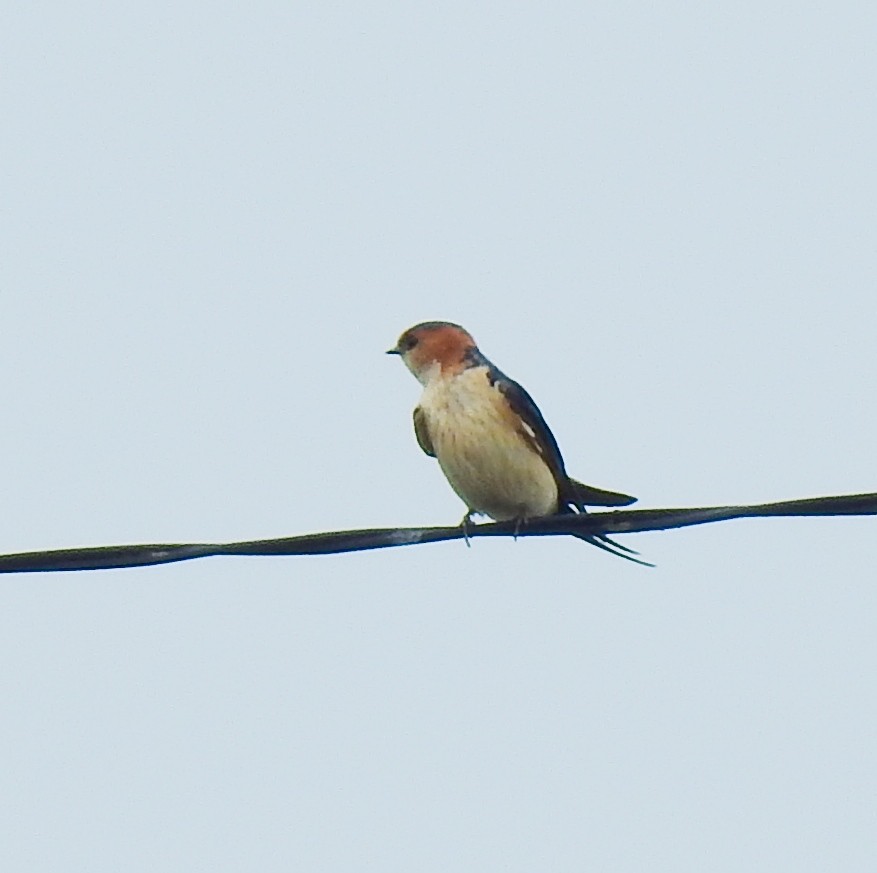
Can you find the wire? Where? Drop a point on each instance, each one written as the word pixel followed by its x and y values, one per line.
pixel 597 524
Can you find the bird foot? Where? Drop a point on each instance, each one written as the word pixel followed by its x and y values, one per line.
pixel 466 524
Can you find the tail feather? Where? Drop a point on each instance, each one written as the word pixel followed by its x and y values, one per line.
pixel 579 496
pixel 603 542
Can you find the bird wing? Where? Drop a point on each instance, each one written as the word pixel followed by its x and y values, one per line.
pixel 531 424
pixel 536 432
pixel 598 496
pixel 421 431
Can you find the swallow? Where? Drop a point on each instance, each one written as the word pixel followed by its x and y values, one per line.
pixel 489 437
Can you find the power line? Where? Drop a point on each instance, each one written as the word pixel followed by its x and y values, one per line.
pixel 597 524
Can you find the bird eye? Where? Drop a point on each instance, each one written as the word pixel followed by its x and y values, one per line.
pixel 408 342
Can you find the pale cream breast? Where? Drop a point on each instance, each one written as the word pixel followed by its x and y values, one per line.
pixel 493 468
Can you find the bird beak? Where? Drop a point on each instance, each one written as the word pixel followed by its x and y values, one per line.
pixel 393 352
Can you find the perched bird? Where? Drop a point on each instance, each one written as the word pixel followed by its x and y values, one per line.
pixel 488 435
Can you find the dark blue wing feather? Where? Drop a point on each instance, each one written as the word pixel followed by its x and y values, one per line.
pixel 569 490
pixel 523 405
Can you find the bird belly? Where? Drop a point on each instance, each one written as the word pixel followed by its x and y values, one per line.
pixel 485 458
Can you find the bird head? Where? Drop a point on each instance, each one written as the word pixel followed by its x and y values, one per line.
pixel 435 348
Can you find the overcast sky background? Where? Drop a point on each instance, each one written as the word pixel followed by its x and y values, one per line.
pixel 217 217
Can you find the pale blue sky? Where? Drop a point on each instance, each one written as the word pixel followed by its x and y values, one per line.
pixel 216 218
